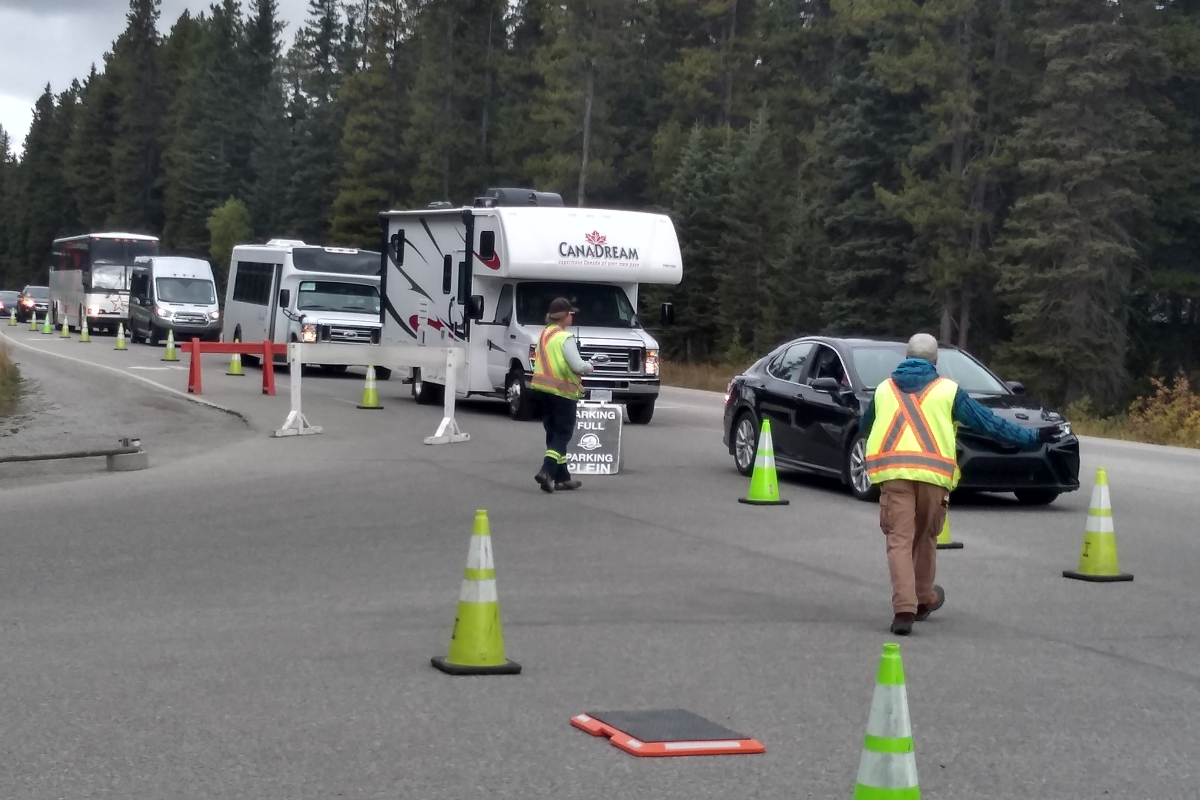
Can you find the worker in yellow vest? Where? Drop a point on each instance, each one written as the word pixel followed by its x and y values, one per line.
pixel 911 456
pixel 557 367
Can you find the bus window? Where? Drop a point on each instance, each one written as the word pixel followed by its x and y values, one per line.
pixel 252 284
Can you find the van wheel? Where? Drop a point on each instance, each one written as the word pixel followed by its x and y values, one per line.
pixel 426 394
pixel 640 413
pixel 152 335
pixel 519 396
pixel 248 360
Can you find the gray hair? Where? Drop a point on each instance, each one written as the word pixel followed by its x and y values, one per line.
pixel 922 345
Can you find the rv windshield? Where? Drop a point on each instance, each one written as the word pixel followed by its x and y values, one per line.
pixel 599 304
pixel 352 298
pixel 195 291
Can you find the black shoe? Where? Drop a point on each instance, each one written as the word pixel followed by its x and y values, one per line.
pixel 566 486
pixel 543 479
pixel 902 624
pixel 925 609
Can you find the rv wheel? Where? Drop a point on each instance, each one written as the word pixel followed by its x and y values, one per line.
pixel 518 395
pixel 426 394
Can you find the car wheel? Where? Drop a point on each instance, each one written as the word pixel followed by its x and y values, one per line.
pixel 518 395
pixel 856 476
pixel 745 443
pixel 382 373
pixel 1036 497
pixel 641 413
pixel 426 394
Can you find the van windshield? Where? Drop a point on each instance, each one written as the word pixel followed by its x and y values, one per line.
pixel 196 291
pixel 353 298
pixel 599 304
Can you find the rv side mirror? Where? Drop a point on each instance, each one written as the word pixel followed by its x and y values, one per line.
pixel 487 245
pixel 397 246
pixel 475 307
pixel 285 298
pixel 667 314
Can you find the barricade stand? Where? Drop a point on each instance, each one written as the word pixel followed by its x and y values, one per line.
pixel 268 367
pixel 195 384
pixel 195 348
pixel 448 432
pixel 296 424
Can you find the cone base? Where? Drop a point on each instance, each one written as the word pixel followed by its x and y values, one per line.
pixel 750 502
pixel 507 668
pixel 950 546
pixel 236 374
pixel 170 359
pixel 371 408
pixel 1080 576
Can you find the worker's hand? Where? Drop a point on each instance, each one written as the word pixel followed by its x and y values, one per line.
pixel 1049 434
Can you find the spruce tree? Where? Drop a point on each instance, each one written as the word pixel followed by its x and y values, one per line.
pixel 137 147
pixel 89 157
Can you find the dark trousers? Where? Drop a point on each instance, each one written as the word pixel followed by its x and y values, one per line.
pixel 558 418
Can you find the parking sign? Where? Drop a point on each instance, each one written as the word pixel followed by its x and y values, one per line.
pixel 595 448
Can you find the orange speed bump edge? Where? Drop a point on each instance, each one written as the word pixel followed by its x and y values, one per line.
pixel 665 732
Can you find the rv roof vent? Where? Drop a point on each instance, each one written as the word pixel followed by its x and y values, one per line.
pixel 518 197
pixel 440 204
pixel 285 243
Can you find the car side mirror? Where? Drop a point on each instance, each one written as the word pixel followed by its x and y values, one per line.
pixel 827 385
pixel 667 314
pixel 396 245
pixel 475 307
pixel 1016 386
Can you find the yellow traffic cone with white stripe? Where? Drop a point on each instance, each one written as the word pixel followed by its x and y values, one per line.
pixel 477 644
pixel 84 335
pixel 1098 558
pixel 944 542
pixel 764 483
pixel 121 337
pixel 33 321
pixel 66 332
pixel 47 328
pixel 235 364
pixel 170 355
pixel 370 398
pixel 12 318
pixel 888 767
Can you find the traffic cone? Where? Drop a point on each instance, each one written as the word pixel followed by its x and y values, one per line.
pixel 888 767
pixel 84 336
pixel 33 321
pixel 477 644
pixel 944 542
pixel 47 328
pixel 66 332
pixel 12 317
pixel 764 485
pixel 370 398
pixel 1098 558
pixel 235 364
pixel 170 355
pixel 120 337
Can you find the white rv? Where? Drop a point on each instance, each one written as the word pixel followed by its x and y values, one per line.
pixel 490 298
pixel 288 291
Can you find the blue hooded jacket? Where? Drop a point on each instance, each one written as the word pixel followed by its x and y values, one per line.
pixel 914 374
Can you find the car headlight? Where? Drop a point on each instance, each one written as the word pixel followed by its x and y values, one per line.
pixel 1065 427
pixel 165 313
pixel 27 303
pixel 651 362
pixel 214 315
pixel 532 355
pixel 308 333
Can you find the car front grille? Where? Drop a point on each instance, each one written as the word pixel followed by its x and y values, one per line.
pixel 190 319
pixel 612 360
pixel 349 334
pixel 1013 471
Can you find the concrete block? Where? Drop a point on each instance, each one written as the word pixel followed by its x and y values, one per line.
pixel 128 462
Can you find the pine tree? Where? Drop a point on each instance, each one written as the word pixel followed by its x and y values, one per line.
pixel 89 156
pixel 137 148
pixel 7 167
pixel 270 134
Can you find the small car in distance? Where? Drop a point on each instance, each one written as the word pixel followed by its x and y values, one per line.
pixel 33 299
pixel 813 391
pixel 9 302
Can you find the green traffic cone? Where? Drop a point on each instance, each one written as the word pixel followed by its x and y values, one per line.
pixel 764 484
pixel 170 354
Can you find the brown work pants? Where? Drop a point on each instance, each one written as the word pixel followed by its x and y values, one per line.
pixel 911 515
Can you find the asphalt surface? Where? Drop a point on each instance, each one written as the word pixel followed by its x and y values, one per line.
pixel 255 619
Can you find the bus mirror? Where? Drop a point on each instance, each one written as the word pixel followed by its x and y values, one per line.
pixel 285 298
pixel 667 314
pixel 475 307
pixel 487 245
pixel 397 246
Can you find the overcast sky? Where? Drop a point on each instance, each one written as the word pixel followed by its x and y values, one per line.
pixel 54 41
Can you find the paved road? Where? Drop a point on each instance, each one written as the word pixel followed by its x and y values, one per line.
pixel 256 620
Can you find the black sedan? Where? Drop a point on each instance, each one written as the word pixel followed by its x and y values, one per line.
pixel 813 391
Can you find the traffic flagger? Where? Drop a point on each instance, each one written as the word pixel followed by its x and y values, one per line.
pixel 120 337
pixel 235 363
pixel 477 644
pixel 66 332
pixel 370 398
pixel 944 542
pixel 84 335
pixel 1098 558
pixel 764 483
pixel 170 355
pixel 888 767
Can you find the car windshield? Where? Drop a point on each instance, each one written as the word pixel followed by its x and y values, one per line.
pixel 875 364
pixel 196 291
pixel 599 304
pixel 355 298
pixel 38 292
pixel 9 297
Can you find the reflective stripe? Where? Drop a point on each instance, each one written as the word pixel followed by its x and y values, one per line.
pixel 1100 525
pixel 916 418
pixel 479 554
pixel 479 574
pixel 888 771
pixel 872 793
pixel 938 464
pixel 478 592
pixel 544 375
pixel 889 713
pixel 882 744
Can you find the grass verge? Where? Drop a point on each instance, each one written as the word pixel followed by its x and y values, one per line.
pixel 10 383
pixel 709 377
pixel 1170 416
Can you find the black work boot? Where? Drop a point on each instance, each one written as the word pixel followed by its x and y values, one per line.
pixel 544 480
pixel 925 609
pixel 567 485
pixel 902 623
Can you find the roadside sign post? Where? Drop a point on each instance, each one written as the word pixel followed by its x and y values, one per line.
pixel 595 447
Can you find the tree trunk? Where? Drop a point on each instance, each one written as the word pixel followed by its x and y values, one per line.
pixel 947 331
pixel 589 92
pixel 964 317
pixel 729 38
pixel 487 88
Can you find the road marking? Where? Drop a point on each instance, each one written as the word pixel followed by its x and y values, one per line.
pixel 343 400
pixel 153 369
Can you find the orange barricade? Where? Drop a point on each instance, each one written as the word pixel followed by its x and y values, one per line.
pixel 264 350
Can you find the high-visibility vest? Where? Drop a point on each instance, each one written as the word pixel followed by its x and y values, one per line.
pixel 551 372
pixel 913 437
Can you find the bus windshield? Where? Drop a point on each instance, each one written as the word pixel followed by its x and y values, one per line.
pixel 196 291
pixel 353 298
pixel 117 251
pixel 599 304
pixel 110 277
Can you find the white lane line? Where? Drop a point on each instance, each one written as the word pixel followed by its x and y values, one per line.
pixel 344 400
pixel 154 369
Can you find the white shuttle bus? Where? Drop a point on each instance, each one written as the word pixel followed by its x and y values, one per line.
pixel 482 279
pixel 89 275
pixel 289 291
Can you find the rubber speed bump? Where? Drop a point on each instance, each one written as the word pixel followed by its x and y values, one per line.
pixel 667 732
pixel 1098 557
pixel 944 542
pixel 764 483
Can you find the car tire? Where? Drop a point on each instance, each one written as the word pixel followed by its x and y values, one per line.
pixel 519 396
pixel 745 442
pixel 855 473
pixel 426 394
pixel 640 413
pixel 383 374
pixel 1036 497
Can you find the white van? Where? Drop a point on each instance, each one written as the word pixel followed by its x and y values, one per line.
pixel 289 291
pixel 491 298
pixel 169 293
